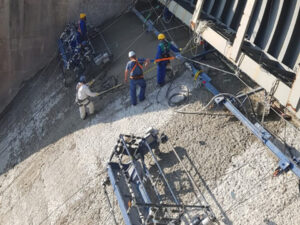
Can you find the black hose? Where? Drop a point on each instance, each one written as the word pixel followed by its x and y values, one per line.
pixel 176 103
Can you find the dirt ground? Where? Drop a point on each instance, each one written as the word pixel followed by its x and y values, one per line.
pixel 52 162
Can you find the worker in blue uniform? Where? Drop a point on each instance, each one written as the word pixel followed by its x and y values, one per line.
pixel 82 27
pixel 135 70
pixel 163 52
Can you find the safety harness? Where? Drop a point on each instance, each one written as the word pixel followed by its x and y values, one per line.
pixel 165 49
pixel 133 68
pixel 82 102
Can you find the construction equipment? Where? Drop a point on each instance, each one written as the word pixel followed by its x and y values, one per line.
pixel 136 189
pixel 77 58
pixel 233 104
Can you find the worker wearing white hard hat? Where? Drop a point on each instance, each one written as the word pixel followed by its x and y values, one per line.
pixel 134 69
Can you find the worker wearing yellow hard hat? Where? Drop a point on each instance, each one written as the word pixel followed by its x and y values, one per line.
pixel 163 52
pixel 82 29
pixel 82 15
pixel 161 36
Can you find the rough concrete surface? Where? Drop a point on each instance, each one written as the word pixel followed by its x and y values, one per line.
pixel 29 31
pixel 52 163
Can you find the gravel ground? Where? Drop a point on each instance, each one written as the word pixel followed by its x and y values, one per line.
pixel 52 163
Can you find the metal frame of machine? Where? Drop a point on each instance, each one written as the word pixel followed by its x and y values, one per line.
pixel 139 199
pixel 77 59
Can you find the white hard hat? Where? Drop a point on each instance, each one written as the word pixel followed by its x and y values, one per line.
pixel 131 54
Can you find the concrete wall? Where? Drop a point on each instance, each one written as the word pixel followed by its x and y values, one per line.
pixel 29 30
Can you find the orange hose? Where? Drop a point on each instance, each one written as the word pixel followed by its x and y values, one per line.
pixel 164 59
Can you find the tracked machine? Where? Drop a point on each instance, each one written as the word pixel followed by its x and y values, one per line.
pixel 139 198
pixel 76 59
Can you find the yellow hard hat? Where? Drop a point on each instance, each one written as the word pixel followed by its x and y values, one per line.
pixel 161 36
pixel 82 15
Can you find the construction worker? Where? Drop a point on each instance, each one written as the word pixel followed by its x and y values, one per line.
pixel 163 51
pixel 82 97
pixel 135 70
pixel 82 27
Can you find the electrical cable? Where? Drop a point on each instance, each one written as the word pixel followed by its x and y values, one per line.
pixel 160 21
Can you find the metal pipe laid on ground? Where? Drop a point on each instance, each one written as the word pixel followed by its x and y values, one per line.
pixel 162 174
pixel 208 212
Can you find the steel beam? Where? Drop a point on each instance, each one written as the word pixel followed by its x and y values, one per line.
pixel 123 205
pixel 294 99
pixel 263 135
pixel 196 14
pixel 239 37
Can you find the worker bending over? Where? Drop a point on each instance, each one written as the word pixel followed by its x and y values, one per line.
pixel 163 52
pixel 82 97
pixel 135 69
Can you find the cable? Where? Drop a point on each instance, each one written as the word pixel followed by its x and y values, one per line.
pixel 173 28
pixel 209 66
pixel 158 16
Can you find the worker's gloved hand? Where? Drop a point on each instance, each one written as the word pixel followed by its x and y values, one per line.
pixel 154 62
pixel 98 94
pixel 180 49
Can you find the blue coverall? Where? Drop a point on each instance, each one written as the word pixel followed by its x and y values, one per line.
pixel 163 51
pixel 79 38
pixel 81 34
pixel 136 78
pixel 83 29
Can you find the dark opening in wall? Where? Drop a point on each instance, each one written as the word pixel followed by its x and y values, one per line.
pixel 254 18
pixel 265 23
pixel 215 8
pixel 227 11
pixel 238 15
pixel 282 27
pixel 206 5
pixel 292 52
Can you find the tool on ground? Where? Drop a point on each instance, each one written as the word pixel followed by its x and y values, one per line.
pixel 110 89
pixel 139 198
